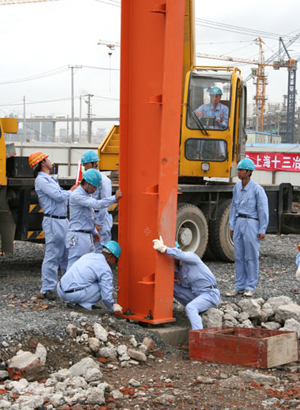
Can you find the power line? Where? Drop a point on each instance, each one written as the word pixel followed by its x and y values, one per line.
pixel 50 73
pixel 236 29
pixel 56 100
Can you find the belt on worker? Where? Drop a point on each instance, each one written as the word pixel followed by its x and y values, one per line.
pixel 246 216
pixel 81 231
pixel 70 291
pixel 55 216
pixel 212 287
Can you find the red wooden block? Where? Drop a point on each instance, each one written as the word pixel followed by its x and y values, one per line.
pixel 245 347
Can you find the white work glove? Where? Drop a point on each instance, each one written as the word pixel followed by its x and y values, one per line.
pixel 117 308
pixel 159 245
pixel 298 273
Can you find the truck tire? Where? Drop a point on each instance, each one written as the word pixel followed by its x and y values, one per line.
pixel 219 231
pixel 191 229
pixel 209 254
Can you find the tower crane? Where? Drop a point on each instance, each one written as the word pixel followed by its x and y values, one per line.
pixel 291 65
pixel 110 44
pixel 8 2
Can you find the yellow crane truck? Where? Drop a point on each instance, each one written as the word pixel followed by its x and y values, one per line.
pixel 209 153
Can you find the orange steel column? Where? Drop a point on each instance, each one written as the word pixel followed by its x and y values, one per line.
pixel 152 35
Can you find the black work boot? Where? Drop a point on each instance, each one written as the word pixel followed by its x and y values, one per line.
pixel 50 295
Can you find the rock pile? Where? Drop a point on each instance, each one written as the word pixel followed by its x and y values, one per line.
pixel 27 384
pixel 277 313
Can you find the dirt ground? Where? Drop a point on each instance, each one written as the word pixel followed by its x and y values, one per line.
pixel 172 380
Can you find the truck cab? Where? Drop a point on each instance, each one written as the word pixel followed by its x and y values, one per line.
pixel 212 141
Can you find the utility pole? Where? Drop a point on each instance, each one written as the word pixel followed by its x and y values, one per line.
pixel 72 98
pixel 89 117
pixel 80 117
pixel 24 119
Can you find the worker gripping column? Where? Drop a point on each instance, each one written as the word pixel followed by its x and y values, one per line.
pixel 196 286
pixel 103 219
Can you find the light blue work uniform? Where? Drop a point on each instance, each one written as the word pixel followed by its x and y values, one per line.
pixel 298 259
pixel 82 224
pixel 249 216
pixel 91 278
pixel 102 217
pixel 196 286
pixel 54 201
pixel 221 113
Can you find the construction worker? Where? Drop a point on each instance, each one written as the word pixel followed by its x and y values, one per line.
pixel 82 231
pixel 249 218
pixel 103 219
pixel 196 286
pixel 298 264
pixel 53 200
pixel 90 279
pixel 214 109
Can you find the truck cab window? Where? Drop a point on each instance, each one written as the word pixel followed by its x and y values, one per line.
pixel 209 102
pixel 206 150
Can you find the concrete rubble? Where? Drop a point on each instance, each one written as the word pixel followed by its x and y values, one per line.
pixel 277 313
pixel 25 384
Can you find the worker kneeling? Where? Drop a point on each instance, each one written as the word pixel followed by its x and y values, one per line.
pixel 90 279
pixel 196 286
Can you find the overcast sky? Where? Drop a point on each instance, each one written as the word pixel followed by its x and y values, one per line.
pixel 43 39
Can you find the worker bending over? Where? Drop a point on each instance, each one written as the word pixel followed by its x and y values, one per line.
pixel 82 231
pixel 54 201
pixel 249 218
pixel 103 219
pixel 90 279
pixel 196 286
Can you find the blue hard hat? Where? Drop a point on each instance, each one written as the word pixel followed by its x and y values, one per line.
pixel 93 177
pixel 246 163
pixel 89 156
pixel 215 91
pixel 114 248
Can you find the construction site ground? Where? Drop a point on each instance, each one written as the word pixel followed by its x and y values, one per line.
pixel 169 379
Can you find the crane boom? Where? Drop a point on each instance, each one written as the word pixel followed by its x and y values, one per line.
pixel 8 2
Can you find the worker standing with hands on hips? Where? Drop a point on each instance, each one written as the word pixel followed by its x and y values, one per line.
pixel 196 286
pixel 249 218
pixel 103 219
pixel 90 279
pixel 54 201
pixel 82 231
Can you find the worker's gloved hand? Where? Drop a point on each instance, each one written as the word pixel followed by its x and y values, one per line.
pixel 117 308
pixel 159 245
pixel 298 273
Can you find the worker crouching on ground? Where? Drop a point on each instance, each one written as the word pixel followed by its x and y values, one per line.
pixel 196 286
pixel 90 279
pixel 82 231
pixel 103 219
pixel 54 201
pixel 249 218
pixel 298 264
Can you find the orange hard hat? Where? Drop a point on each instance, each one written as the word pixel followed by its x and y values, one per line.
pixel 36 157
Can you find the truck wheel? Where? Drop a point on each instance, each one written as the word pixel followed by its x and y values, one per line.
pixel 209 253
pixel 219 231
pixel 191 229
